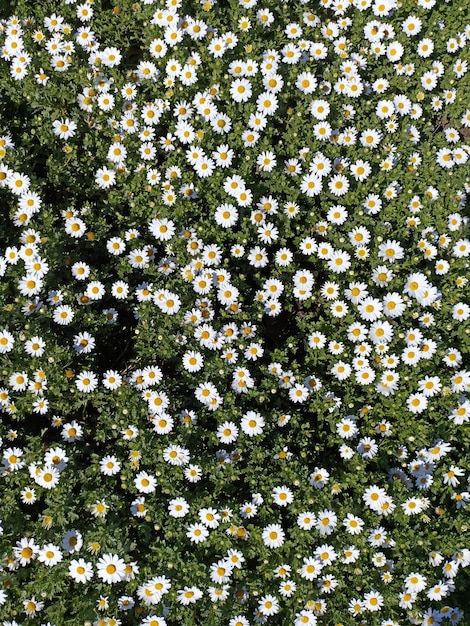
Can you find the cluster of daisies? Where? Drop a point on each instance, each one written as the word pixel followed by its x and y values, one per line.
pixel 286 160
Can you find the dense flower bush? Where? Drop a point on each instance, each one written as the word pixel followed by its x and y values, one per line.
pixel 233 324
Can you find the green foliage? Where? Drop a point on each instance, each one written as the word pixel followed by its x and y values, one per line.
pixel 234 320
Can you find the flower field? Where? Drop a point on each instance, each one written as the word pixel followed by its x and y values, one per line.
pixel 234 318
